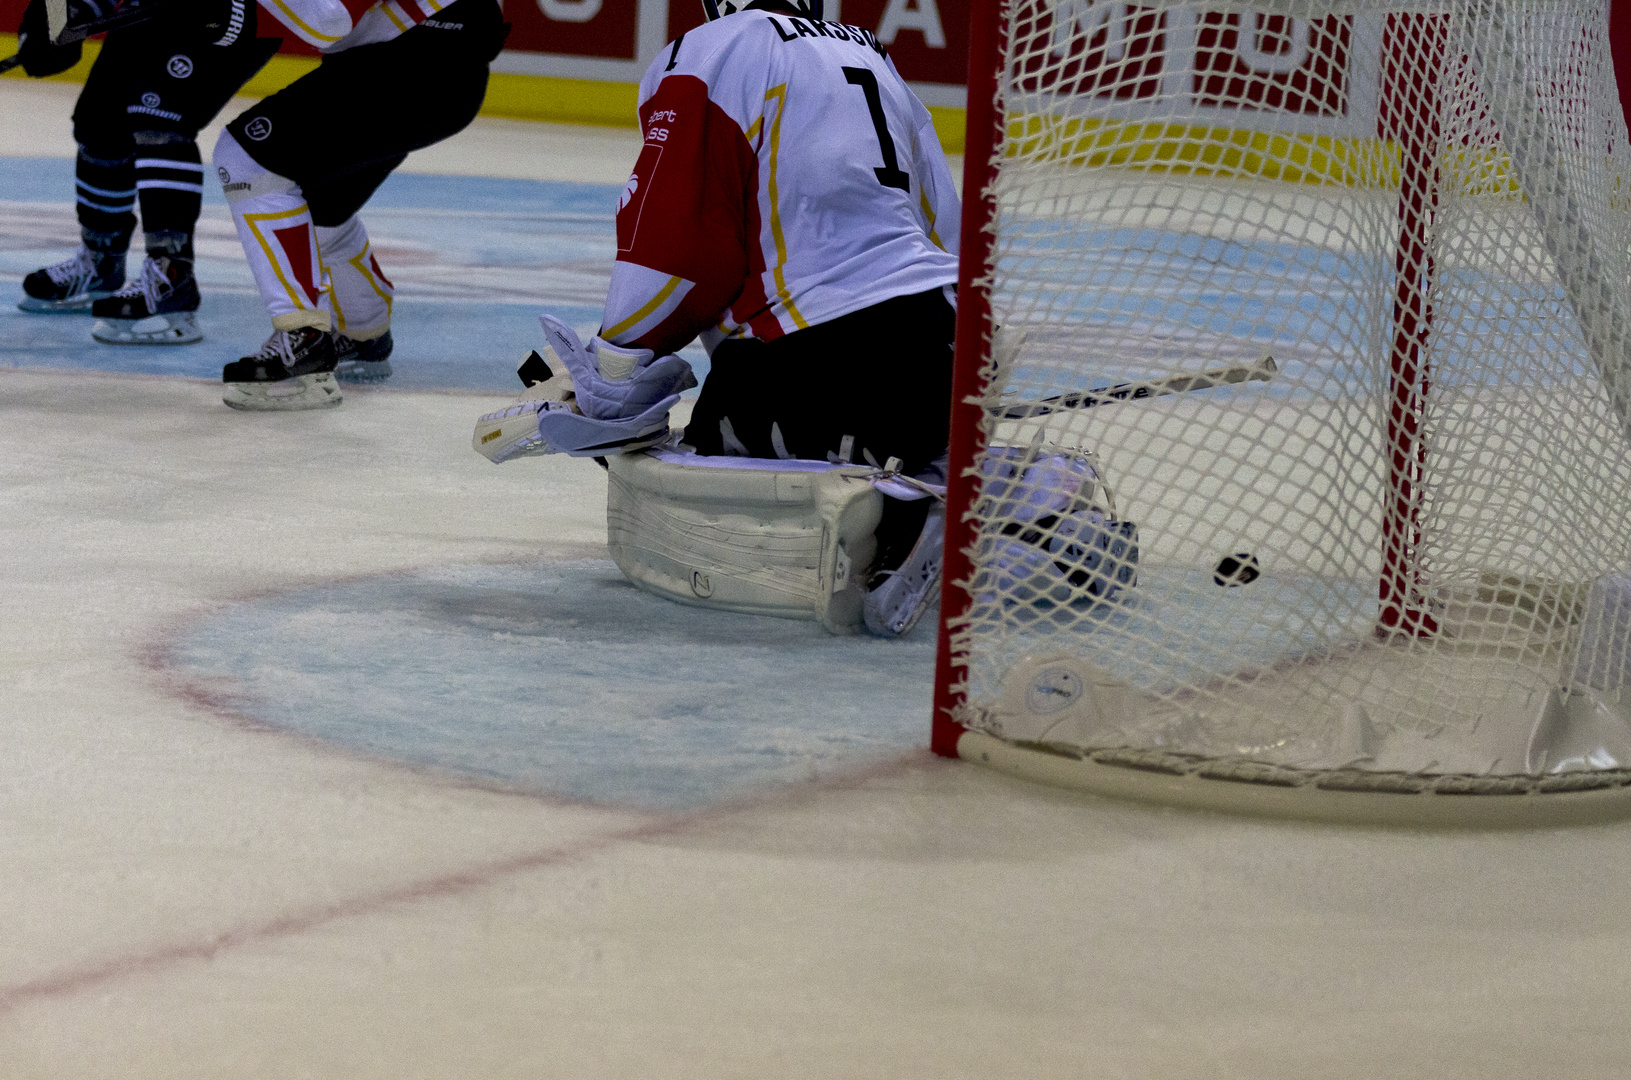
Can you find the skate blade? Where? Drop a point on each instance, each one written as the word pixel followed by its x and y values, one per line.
pixel 318 391
pixel 509 433
pixel 175 328
pixel 363 371
pixel 75 305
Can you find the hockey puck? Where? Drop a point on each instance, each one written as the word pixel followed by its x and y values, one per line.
pixel 1238 569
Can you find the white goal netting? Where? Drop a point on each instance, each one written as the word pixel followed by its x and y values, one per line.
pixel 1307 397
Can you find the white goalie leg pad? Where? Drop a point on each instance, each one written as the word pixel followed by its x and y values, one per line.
pixel 792 544
pixel 278 237
pixel 1063 543
pixel 359 291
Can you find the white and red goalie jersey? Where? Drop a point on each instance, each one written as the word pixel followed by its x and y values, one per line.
pixel 788 177
pixel 333 26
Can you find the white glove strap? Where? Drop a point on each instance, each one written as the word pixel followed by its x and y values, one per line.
pixel 618 364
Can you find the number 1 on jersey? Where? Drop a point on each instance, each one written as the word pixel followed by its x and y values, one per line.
pixel 891 174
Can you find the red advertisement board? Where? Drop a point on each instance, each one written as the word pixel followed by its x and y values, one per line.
pixel 607 29
pixel 1215 59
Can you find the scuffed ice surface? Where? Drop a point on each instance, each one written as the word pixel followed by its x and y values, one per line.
pixel 561 677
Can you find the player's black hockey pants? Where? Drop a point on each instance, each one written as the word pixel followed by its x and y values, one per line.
pixel 880 376
pixel 339 131
pixel 153 86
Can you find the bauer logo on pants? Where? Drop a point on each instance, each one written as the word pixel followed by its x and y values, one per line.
pixel 151 100
pixel 258 128
pixel 179 66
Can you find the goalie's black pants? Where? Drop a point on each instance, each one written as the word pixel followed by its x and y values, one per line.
pixel 340 130
pixel 151 89
pixel 880 376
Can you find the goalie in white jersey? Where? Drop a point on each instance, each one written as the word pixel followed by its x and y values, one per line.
pixel 792 206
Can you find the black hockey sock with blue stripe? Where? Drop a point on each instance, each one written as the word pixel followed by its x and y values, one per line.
pixel 105 194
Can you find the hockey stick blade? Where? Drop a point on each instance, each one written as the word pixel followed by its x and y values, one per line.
pixel 10 62
pixel 1262 371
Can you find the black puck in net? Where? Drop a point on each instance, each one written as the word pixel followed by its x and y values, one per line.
pixel 1238 569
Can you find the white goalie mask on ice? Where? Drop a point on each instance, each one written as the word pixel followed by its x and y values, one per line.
pixel 718 9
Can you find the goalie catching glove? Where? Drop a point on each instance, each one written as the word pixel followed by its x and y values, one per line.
pixel 608 401
pixel 613 383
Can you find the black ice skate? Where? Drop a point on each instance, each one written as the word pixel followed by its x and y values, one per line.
pixel 363 361
pixel 293 370
pixel 155 309
pixel 73 284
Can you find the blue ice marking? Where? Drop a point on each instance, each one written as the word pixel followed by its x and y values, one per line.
pixel 563 678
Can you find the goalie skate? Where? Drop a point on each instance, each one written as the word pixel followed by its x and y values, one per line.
pixel 293 371
pixel 155 309
pixel 73 285
pixel 896 603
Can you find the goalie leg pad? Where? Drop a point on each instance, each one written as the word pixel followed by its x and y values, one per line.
pixel 794 545
pixel 1058 538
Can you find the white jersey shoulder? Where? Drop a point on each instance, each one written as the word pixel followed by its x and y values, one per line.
pixel 856 203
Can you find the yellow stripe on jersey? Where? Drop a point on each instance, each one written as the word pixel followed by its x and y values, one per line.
pixel 639 316
pixel 928 212
pixel 301 23
pixel 297 296
pixel 753 129
pixel 395 19
pixel 779 95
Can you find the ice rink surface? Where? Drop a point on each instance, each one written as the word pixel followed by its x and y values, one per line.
pixel 331 750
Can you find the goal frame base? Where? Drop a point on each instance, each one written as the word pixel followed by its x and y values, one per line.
pixel 1295 795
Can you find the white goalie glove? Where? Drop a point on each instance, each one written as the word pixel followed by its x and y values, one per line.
pixel 614 383
pixel 608 401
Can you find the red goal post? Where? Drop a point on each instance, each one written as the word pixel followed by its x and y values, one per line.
pixel 1415 209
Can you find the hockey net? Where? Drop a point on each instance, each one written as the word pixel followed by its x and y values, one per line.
pixel 1391 560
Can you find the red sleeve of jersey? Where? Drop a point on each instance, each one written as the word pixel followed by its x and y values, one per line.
pixel 688 208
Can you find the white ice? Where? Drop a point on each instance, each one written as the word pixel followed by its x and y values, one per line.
pixel 194 883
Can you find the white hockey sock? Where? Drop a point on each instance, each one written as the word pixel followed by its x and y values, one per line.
pixel 278 238
pixel 359 291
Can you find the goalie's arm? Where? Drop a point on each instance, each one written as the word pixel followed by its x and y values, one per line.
pixel 681 229
pixel 942 210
